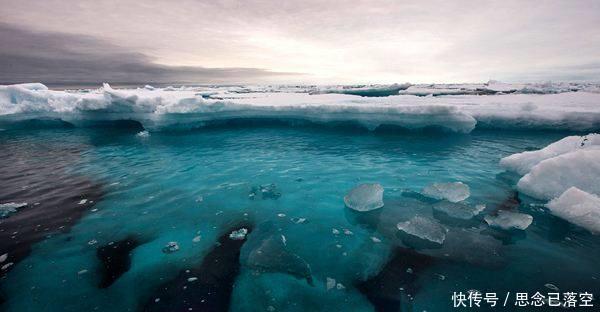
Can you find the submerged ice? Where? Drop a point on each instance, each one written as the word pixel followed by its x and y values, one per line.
pixel 365 197
pixel 508 220
pixel 451 191
pixel 424 228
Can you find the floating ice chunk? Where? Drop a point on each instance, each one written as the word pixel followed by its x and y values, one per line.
pixel 578 207
pixel 171 247
pixel 239 234
pixel 82 272
pixel 551 286
pixel 6 266
pixel 507 220
pixel 348 232
pixel 458 210
pixel 551 177
pixel 522 163
pixel 335 231
pixel 375 239
pixel 3 257
pixel 82 202
pixel 298 220
pixel 10 208
pixel 143 134
pixel 451 191
pixel 192 279
pixel 196 238
pixel 424 228
pixel 330 284
pixel 365 197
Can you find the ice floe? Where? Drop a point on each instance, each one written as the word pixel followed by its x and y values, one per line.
pixel 578 207
pixel 451 191
pixel 558 107
pixel 424 228
pixel 508 220
pixel 365 197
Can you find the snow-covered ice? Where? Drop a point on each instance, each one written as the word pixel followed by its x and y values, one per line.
pixel 507 220
pixel 451 191
pixel 578 207
pixel 522 163
pixel 552 106
pixel 551 177
pixel 424 228
pixel 365 197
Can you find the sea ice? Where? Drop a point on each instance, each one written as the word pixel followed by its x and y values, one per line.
pixel 507 220
pixel 522 163
pixel 451 191
pixel 578 207
pixel 10 208
pixel 365 197
pixel 458 210
pixel 551 177
pixel 424 228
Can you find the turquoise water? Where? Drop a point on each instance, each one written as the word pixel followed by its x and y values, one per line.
pixel 178 186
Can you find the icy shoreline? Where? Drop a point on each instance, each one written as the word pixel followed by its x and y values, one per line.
pixel 158 108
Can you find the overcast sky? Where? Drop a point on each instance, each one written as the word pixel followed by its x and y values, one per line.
pixel 299 41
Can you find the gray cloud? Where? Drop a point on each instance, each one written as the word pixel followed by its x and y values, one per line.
pixel 58 58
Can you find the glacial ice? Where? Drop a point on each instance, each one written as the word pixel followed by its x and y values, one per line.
pixel 551 177
pixel 522 163
pixel 458 210
pixel 578 207
pixel 7 209
pixel 424 228
pixel 507 220
pixel 451 191
pixel 365 197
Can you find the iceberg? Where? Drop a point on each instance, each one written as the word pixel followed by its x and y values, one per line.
pixel 522 163
pixel 424 228
pixel 365 197
pixel 578 207
pixel 453 191
pixel 551 177
pixel 508 220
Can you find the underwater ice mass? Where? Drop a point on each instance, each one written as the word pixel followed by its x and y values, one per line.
pixel 296 198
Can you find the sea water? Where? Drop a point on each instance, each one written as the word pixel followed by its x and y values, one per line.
pixel 286 184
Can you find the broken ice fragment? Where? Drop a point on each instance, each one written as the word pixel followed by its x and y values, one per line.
pixel 9 208
pixel 375 239
pixel 451 191
pixel 83 201
pixel 192 279
pixel 171 247
pixel 458 210
pixel 424 228
pixel 365 197
pixel 298 220
pixel 330 283
pixel 239 234
pixel 82 272
pixel 507 220
pixel 3 257
pixel 196 239
pixel 143 134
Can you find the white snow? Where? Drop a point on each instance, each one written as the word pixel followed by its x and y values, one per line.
pixel 156 108
pixel 424 228
pixel 507 220
pixel 522 163
pixel 365 197
pixel 578 207
pixel 451 191
pixel 551 177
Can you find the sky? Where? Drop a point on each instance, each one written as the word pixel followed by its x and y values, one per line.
pixel 321 42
